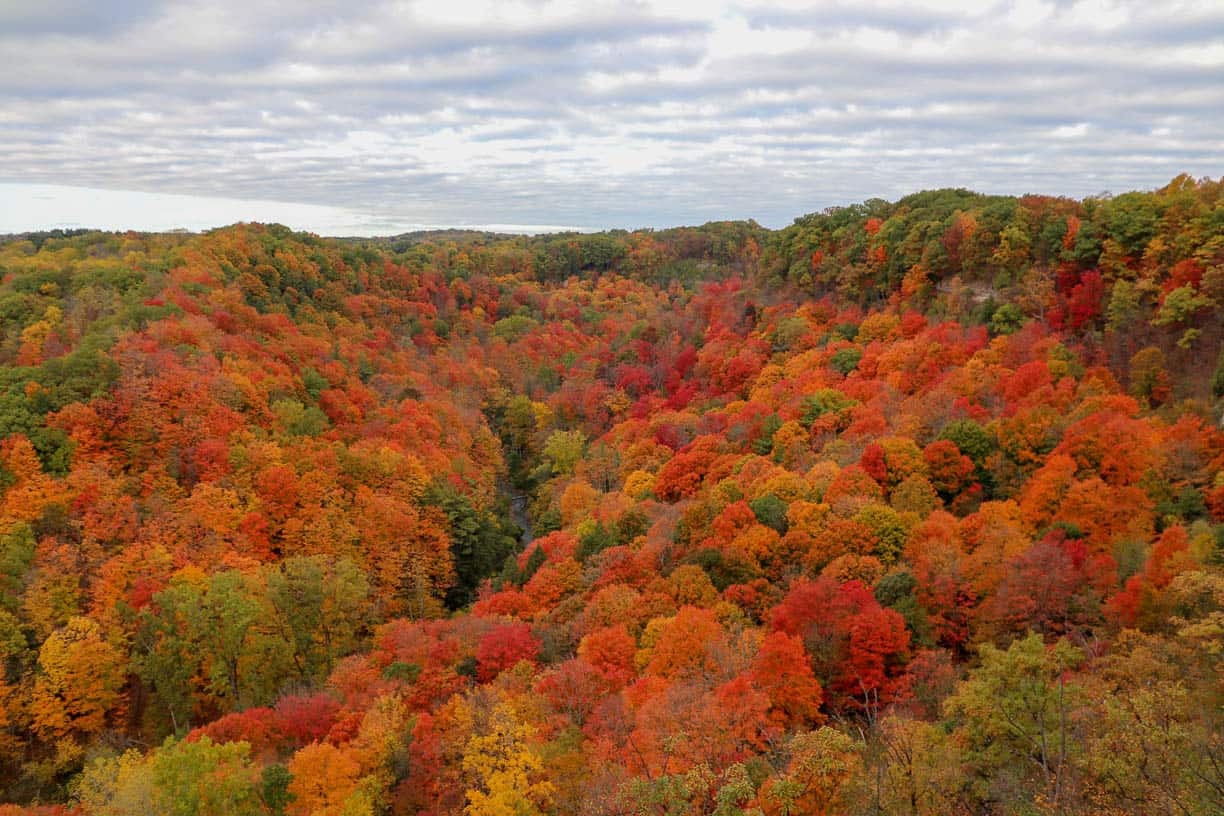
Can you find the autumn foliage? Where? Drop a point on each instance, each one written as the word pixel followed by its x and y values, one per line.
pixel 908 508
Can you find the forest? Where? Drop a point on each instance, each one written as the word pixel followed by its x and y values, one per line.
pixel 908 508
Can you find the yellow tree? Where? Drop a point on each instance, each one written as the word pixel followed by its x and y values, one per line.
pixel 81 675
pixel 506 773
pixel 821 763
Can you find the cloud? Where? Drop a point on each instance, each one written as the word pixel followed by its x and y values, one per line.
pixel 613 114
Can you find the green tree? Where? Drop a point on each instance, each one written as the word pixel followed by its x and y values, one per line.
pixel 296 419
pixel 163 654
pixel 1014 713
pixel 846 360
pixel 1123 307
pixel 516 423
pixel 1180 305
pixel 770 511
pixel 203 778
pixel 975 442
pixel 16 557
pixel 1007 319
pixel 480 541
pixel 562 450
pixel 274 788
pixel 223 626
pixel 219 630
pixel 887 528
pixel 1217 379
pixel 319 607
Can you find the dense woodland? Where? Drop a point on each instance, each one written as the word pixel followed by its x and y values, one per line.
pixel 907 508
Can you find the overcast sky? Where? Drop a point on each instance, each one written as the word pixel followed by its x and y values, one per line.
pixel 374 117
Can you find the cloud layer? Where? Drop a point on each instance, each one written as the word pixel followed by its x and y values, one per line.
pixel 616 114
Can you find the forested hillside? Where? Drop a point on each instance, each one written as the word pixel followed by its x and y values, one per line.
pixel 907 508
